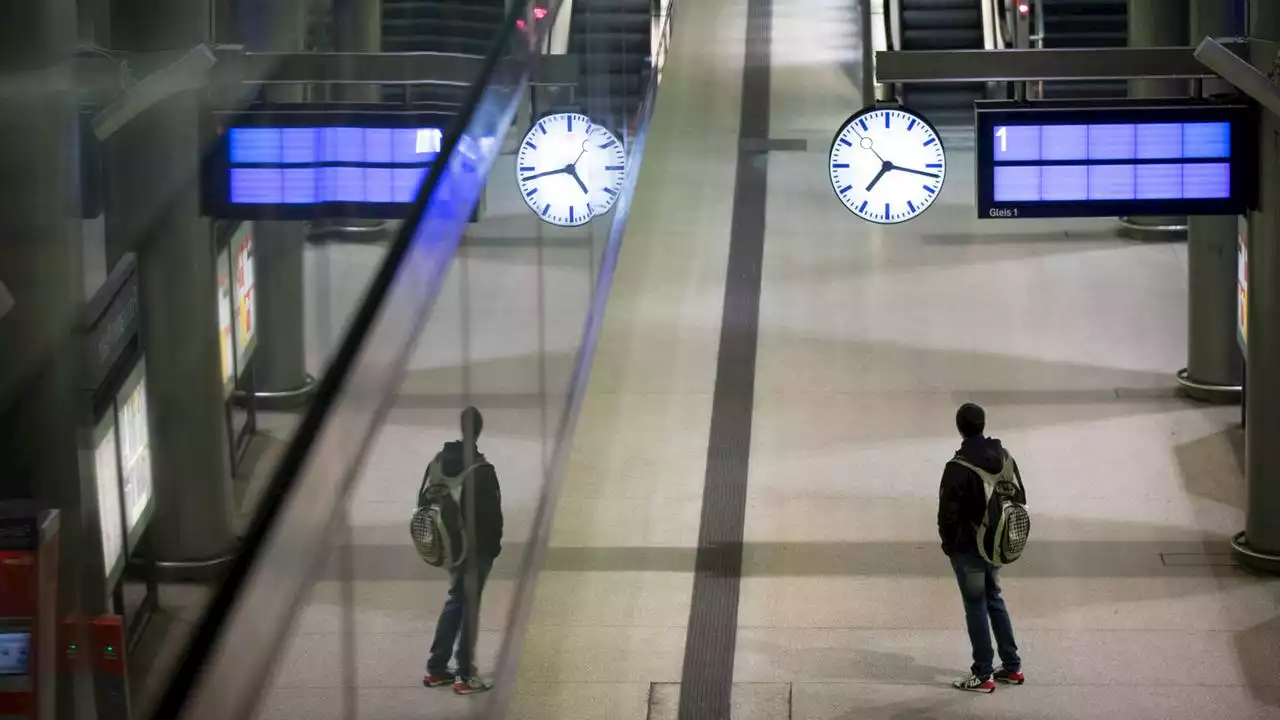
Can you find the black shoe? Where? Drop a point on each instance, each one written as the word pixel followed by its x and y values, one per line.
pixel 440 679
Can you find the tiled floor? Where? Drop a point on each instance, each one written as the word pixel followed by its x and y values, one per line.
pixel 1126 606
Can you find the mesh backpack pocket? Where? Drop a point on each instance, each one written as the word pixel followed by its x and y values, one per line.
pixel 436 526
pixel 1006 525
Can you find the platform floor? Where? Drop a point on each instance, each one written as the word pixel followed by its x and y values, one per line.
pixel 869 338
pixel 1127 605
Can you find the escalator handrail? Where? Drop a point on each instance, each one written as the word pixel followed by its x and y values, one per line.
pixel 217 676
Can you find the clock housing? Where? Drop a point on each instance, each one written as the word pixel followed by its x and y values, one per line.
pixel 570 169
pixel 887 164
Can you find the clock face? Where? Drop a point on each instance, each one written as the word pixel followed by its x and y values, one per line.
pixel 887 165
pixel 570 169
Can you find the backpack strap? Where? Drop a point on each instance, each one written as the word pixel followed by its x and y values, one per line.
pixel 982 473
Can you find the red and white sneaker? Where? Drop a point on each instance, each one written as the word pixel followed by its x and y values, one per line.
pixel 470 686
pixel 433 680
pixel 1008 677
pixel 973 683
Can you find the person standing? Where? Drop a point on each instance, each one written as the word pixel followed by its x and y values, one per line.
pixel 963 502
pixel 462 466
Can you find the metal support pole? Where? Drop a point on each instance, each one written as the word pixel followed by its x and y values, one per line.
pixel 280 370
pixel 1258 546
pixel 1157 23
pixel 1215 368
pixel 153 208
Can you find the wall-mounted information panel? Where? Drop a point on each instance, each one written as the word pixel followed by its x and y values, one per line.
pixel 1067 159
pixel 301 162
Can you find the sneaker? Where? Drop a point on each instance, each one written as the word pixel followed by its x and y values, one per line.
pixel 973 683
pixel 470 686
pixel 432 680
pixel 1009 677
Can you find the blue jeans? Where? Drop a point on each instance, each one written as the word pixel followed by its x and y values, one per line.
pixel 984 612
pixel 453 628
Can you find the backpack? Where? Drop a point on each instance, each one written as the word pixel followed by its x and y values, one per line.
pixel 1006 524
pixel 437 526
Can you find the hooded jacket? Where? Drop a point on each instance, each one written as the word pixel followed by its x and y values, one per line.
pixel 487 493
pixel 962 498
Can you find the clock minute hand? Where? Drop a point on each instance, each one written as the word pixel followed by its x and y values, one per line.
pixel 560 171
pixel 916 172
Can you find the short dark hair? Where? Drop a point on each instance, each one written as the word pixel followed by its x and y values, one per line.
pixel 471 416
pixel 971 420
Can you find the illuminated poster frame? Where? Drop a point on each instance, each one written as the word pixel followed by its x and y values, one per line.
pixel 244 295
pixel 106 478
pixel 137 488
pixel 1242 283
pixel 226 343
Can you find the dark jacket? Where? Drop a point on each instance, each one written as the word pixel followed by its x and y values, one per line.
pixel 487 494
pixel 962 499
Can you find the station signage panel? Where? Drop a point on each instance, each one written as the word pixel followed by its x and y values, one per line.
pixel 1070 159
pixel 307 162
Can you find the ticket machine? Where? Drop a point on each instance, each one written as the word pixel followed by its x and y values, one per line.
pixel 28 604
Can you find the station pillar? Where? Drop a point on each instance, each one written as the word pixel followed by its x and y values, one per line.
pixel 42 298
pixel 280 362
pixel 1259 545
pixel 1215 366
pixel 1157 23
pixel 153 208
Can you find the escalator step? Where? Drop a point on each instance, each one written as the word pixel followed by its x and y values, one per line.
pixel 935 39
pixel 942 19
pixel 940 5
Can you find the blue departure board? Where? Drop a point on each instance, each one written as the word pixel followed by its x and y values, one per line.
pixel 312 164
pixel 1069 160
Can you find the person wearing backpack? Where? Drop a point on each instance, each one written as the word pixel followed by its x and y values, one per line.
pixel 983 523
pixel 460 485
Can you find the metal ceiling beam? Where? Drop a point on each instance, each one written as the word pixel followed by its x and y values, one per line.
pixel 1236 70
pixel 414 68
pixel 1058 64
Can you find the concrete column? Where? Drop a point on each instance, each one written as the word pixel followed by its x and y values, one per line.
pixel 1259 545
pixel 153 208
pixel 42 409
pixel 279 364
pixel 1214 364
pixel 1157 23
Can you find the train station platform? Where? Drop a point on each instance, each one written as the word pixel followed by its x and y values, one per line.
pixel 869 337
pixel 749 501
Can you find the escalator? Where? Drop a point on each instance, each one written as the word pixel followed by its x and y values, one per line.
pixel 1085 24
pixel 465 27
pixel 942 25
pixel 616 36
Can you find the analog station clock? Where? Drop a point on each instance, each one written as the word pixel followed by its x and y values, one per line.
pixel 570 169
pixel 887 164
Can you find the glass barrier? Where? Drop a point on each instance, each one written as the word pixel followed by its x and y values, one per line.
pixel 510 335
pixel 202 209
pixel 507 328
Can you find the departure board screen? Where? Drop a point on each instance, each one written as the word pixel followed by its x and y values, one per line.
pixel 1068 160
pixel 310 164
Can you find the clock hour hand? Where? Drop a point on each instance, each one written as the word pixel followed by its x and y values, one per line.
pixel 886 167
pixel 916 172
